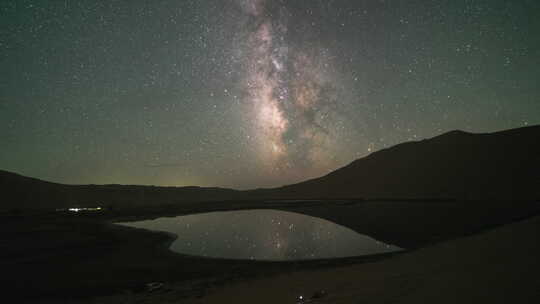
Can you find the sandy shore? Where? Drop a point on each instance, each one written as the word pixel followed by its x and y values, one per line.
pixel 84 258
pixel 497 266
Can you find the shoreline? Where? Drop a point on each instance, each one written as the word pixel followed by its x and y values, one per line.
pixel 92 244
pixel 426 275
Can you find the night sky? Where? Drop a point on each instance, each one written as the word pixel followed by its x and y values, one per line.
pixel 252 93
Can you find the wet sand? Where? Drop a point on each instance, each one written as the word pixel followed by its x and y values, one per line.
pixel 52 257
pixel 498 266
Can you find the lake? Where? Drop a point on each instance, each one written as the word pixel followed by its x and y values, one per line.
pixel 263 235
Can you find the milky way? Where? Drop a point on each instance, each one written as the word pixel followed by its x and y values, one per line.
pixel 252 93
pixel 289 92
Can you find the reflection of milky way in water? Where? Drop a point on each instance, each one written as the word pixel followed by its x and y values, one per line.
pixel 263 235
pixel 289 92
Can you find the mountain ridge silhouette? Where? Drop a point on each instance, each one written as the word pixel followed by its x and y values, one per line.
pixel 453 165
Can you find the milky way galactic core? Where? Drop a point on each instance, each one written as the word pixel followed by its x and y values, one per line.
pixel 290 90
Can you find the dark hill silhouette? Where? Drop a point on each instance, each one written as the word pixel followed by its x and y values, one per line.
pixel 454 165
pixel 20 192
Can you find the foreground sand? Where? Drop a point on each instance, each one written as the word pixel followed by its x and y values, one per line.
pixel 55 257
pixel 497 266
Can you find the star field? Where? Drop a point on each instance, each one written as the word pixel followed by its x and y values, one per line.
pixel 252 93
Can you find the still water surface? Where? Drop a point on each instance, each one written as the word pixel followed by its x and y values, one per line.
pixel 263 235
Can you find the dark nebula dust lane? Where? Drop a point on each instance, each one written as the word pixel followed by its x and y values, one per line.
pixel 252 93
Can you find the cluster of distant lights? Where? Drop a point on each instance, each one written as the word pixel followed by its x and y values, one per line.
pixel 79 209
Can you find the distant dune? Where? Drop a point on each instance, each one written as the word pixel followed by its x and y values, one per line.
pixel 454 165
pixel 20 192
